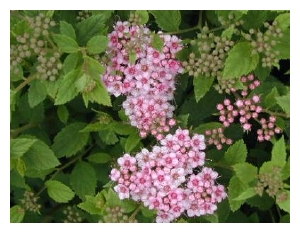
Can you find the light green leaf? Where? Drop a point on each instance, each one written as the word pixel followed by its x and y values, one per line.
pixel 228 32
pixel 70 62
pixel 157 42
pixel 37 92
pixel 250 192
pixel 67 29
pixel 284 205
pixel 144 16
pixel 99 158
pixel 236 153
pixel 13 98
pixel 132 142
pixel 40 157
pixel 21 167
pixel 283 20
pixel 246 172
pixel 59 192
pixel 67 90
pixel 283 45
pixel 182 120
pixel 202 86
pixel 17 214
pixel 94 127
pixel 97 44
pixel 123 128
pixel 285 173
pixel 93 67
pixel 66 43
pixel 168 20
pixel 99 95
pixel 147 212
pixel 19 146
pixel 132 57
pixel 83 179
pixel 284 102
pixel 235 189
pixel 279 152
pixel 52 87
pixel 269 101
pixel 70 140
pixel 93 205
pixel 62 113
pixel 240 61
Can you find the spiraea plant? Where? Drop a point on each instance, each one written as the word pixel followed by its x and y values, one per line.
pixel 148 116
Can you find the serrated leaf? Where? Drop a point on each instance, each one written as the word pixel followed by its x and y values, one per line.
pixel 168 20
pixel 270 101
pixel 83 179
pixel 40 157
pixel 182 120
pixel 21 167
pixel 228 32
pixel 67 90
pixel 279 152
pixel 99 95
pixel 132 142
pixel 16 179
pixel 283 45
pixel 250 192
pixel 66 43
pixel 147 212
pixel 99 158
pixel 19 146
pixel 202 86
pixel 52 87
pixel 284 102
pixel 246 172
pixel 208 126
pixel 93 67
pixel 93 205
pixel 236 153
pixel 284 205
pixel 70 140
pixel 254 19
pixel 59 192
pixel 123 128
pixel 70 62
pixel 67 29
pixel 17 214
pixel 144 16
pixel 285 172
pixel 264 202
pixel 236 188
pixel 240 61
pixel 157 42
pixel 283 20
pixel 212 218
pixel 97 44
pixel 37 92
pixel 94 127
pixel 62 113
pixel 108 136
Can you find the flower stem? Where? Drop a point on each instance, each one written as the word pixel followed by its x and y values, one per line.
pixel 16 132
pixel 135 212
pixel 25 82
pixel 277 113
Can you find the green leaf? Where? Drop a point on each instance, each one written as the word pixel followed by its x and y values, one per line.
pixel 168 20
pixel 16 179
pixel 94 127
pixel 284 205
pixel 269 101
pixel 228 32
pixel 93 67
pixel 285 173
pixel 83 179
pixel 108 137
pixel 236 188
pixel 40 157
pixel 246 172
pixel 182 120
pixel 52 87
pixel 70 140
pixel 147 212
pixel 19 146
pixel 123 128
pixel 240 60
pixel 21 167
pixel 67 29
pixel 70 63
pixel 279 152
pixel 132 57
pixel 236 153
pixel 97 44
pixel 264 202
pixel 283 45
pixel 99 158
pixel 13 98
pixel 254 19
pixel 99 95
pixel 284 102
pixel 132 142
pixel 62 113
pixel 67 90
pixel 157 42
pixel 93 205
pixel 144 16
pixel 17 214
pixel 66 43
pixel 250 192
pixel 283 20
pixel 59 192
pixel 37 92
pixel 202 86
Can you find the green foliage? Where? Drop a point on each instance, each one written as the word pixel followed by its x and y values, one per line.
pixel 67 29
pixel 16 214
pixel 66 43
pixel 202 86
pixel 36 93
pixel 236 187
pixel 236 153
pixel 59 192
pixel 167 20
pixel 246 172
pixel 97 44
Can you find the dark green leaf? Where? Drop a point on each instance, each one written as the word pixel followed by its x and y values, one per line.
pixel 16 179
pixel 58 191
pixel 67 29
pixel 279 152
pixel 132 142
pixel 66 43
pixel 284 102
pixel 37 92
pixel 123 128
pixel 202 86
pixel 208 126
pixel 182 120
pixel 70 140
pixel 13 98
pixel 246 172
pixel 236 188
pixel 70 63
pixel 157 42
pixel 236 153
pixel 168 20
pixel 254 19
pixel 63 113
pixel 269 101
pixel 283 45
pixel 249 192
pixel 83 179
pixel 147 212
pixel 19 146
pixel 97 44
pixel 99 158
pixel 17 214
pixel 240 61
pixel 93 127
pixel 263 203
pixel 108 137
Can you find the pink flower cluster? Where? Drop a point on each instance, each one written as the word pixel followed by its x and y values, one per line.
pixel 165 179
pixel 145 75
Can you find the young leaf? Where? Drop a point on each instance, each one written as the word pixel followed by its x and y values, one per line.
pixel 19 146
pixel 93 205
pixel 83 179
pixel 70 63
pixel 17 214
pixel 99 95
pixel 70 140
pixel 228 32
pixel 236 188
pixel 59 192
pixel 93 67
pixel 144 16
pixel 97 44
pixel 279 152
pixel 250 192
pixel 284 205
pixel 40 157
pixel 269 101
pixel 168 20
pixel 99 158
pixel 246 172
pixel 284 102
pixel 283 20
pixel 240 61
pixel 37 92
pixel 66 43
pixel 132 142
pixel 202 86
pixel 157 42
pixel 236 153
pixel 67 29
pixel 62 113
